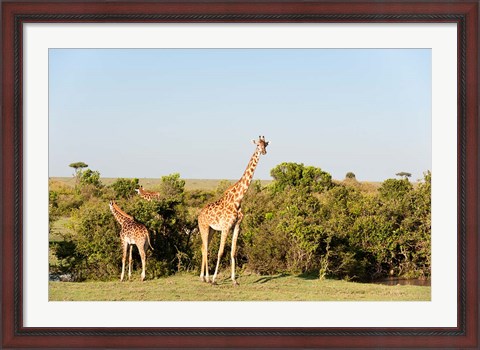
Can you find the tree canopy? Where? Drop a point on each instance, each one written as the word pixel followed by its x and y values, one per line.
pixel 78 165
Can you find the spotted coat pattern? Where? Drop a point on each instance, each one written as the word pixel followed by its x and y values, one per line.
pixel 131 233
pixel 225 213
pixel 148 195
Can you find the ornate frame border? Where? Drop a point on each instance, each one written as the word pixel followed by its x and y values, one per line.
pixel 464 13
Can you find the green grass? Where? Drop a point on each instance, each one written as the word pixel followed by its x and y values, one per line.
pixel 188 287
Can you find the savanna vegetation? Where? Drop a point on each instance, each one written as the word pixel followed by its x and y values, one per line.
pixel 301 223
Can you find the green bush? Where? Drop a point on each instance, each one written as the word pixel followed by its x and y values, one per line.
pixel 95 246
pixel 301 223
pixel 97 241
pixel 62 200
pixel 300 177
pixel 350 175
pixel 172 187
pixel 338 230
pixel 90 177
pixel 124 188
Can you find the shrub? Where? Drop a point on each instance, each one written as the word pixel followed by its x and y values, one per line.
pixel 124 188
pixel 172 187
pixel 350 175
pixel 339 232
pixel 62 199
pixel 393 189
pixel 97 242
pixel 301 223
pixel 90 177
pixel 300 177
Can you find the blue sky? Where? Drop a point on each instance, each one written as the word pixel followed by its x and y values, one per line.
pixel 152 112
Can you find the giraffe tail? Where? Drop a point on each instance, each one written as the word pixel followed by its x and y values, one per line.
pixel 148 240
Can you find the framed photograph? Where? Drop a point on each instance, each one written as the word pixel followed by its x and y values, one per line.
pixel 147 89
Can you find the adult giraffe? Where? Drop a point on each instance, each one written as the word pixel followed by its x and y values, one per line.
pixel 225 212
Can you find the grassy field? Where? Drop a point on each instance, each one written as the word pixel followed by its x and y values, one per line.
pixel 187 287
pixel 153 183
pixel 209 184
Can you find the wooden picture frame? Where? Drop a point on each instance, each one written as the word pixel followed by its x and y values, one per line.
pixel 463 13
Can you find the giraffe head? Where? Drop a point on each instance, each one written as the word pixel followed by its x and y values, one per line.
pixel 261 144
pixel 116 209
pixel 112 205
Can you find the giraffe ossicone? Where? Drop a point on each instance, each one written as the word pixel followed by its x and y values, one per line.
pixel 131 233
pixel 225 213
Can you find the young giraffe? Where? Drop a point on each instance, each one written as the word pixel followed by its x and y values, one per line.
pixel 148 195
pixel 222 214
pixel 131 233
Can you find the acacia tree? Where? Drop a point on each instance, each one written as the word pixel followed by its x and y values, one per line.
pixel 404 174
pixel 78 166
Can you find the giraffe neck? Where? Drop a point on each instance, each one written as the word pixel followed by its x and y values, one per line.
pixel 120 215
pixel 241 187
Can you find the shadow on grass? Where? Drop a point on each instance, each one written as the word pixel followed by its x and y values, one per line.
pixel 304 276
pixel 309 276
pixel 266 279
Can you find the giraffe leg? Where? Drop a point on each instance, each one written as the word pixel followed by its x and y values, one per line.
pixel 124 257
pixel 223 239
pixel 130 262
pixel 142 255
pixel 233 252
pixel 204 268
pixel 209 239
pixel 205 234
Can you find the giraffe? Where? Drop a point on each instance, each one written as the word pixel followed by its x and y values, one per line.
pixel 148 195
pixel 131 233
pixel 226 212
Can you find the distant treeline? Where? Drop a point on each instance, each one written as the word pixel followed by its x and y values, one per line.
pixel 302 222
